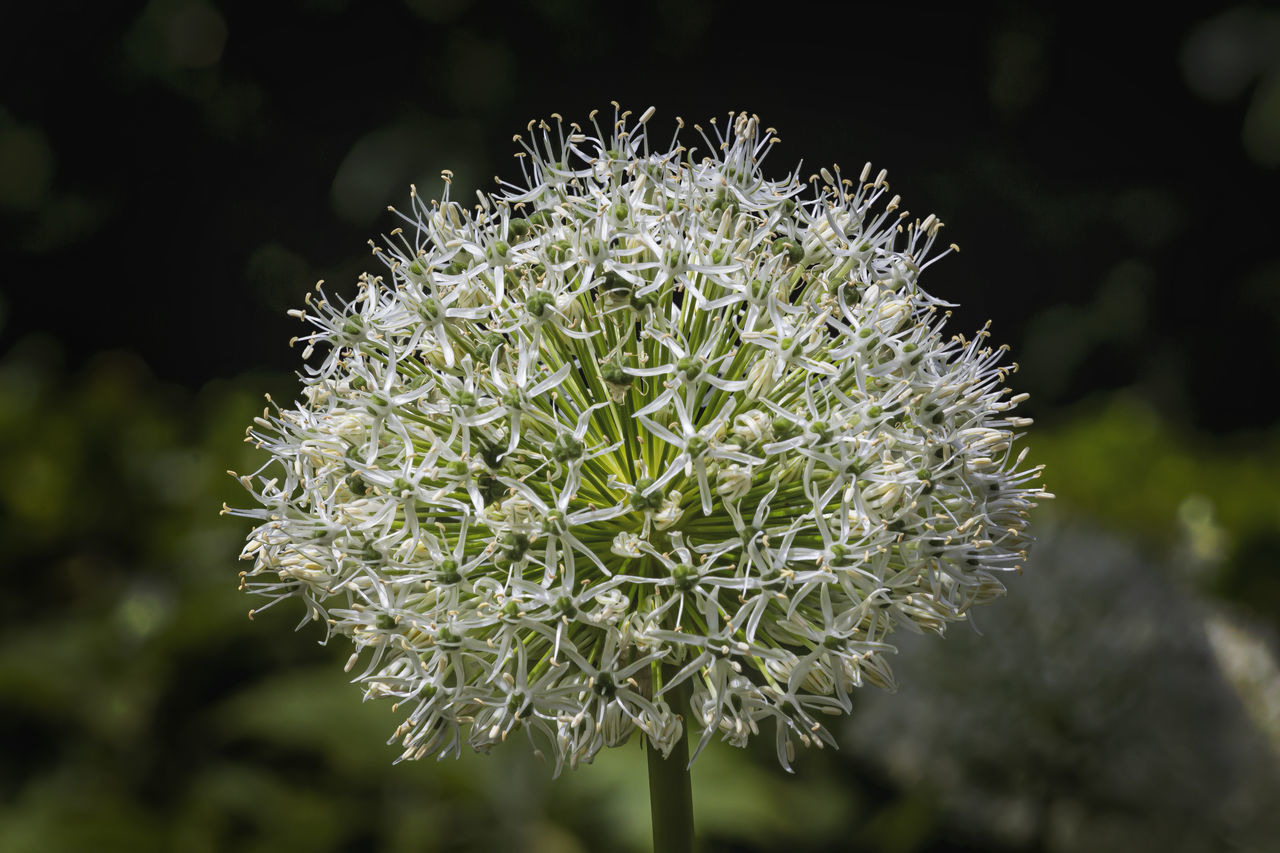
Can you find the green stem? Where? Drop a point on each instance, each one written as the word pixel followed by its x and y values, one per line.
pixel 670 790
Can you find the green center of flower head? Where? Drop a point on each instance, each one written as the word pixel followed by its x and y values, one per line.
pixel 647 412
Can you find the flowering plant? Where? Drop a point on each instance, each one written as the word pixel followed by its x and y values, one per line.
pixel 646 422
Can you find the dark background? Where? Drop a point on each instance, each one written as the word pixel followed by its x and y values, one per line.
pixel 175 174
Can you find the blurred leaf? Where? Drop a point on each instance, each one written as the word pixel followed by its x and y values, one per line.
pixel 1120 464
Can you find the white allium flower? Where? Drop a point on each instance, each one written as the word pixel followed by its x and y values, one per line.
pixel 648 418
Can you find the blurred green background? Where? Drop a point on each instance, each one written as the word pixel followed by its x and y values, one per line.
pixel 174 175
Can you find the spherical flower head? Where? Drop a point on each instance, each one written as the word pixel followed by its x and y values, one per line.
pixel 647 419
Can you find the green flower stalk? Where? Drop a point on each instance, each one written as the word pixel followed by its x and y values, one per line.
pixel 647 423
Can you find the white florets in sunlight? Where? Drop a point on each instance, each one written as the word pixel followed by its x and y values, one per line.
pixel 647 419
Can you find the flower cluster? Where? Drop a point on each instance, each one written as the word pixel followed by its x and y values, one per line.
pixel 648 419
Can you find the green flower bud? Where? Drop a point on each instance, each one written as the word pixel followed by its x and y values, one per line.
pixel 540 303
pixel 684 577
